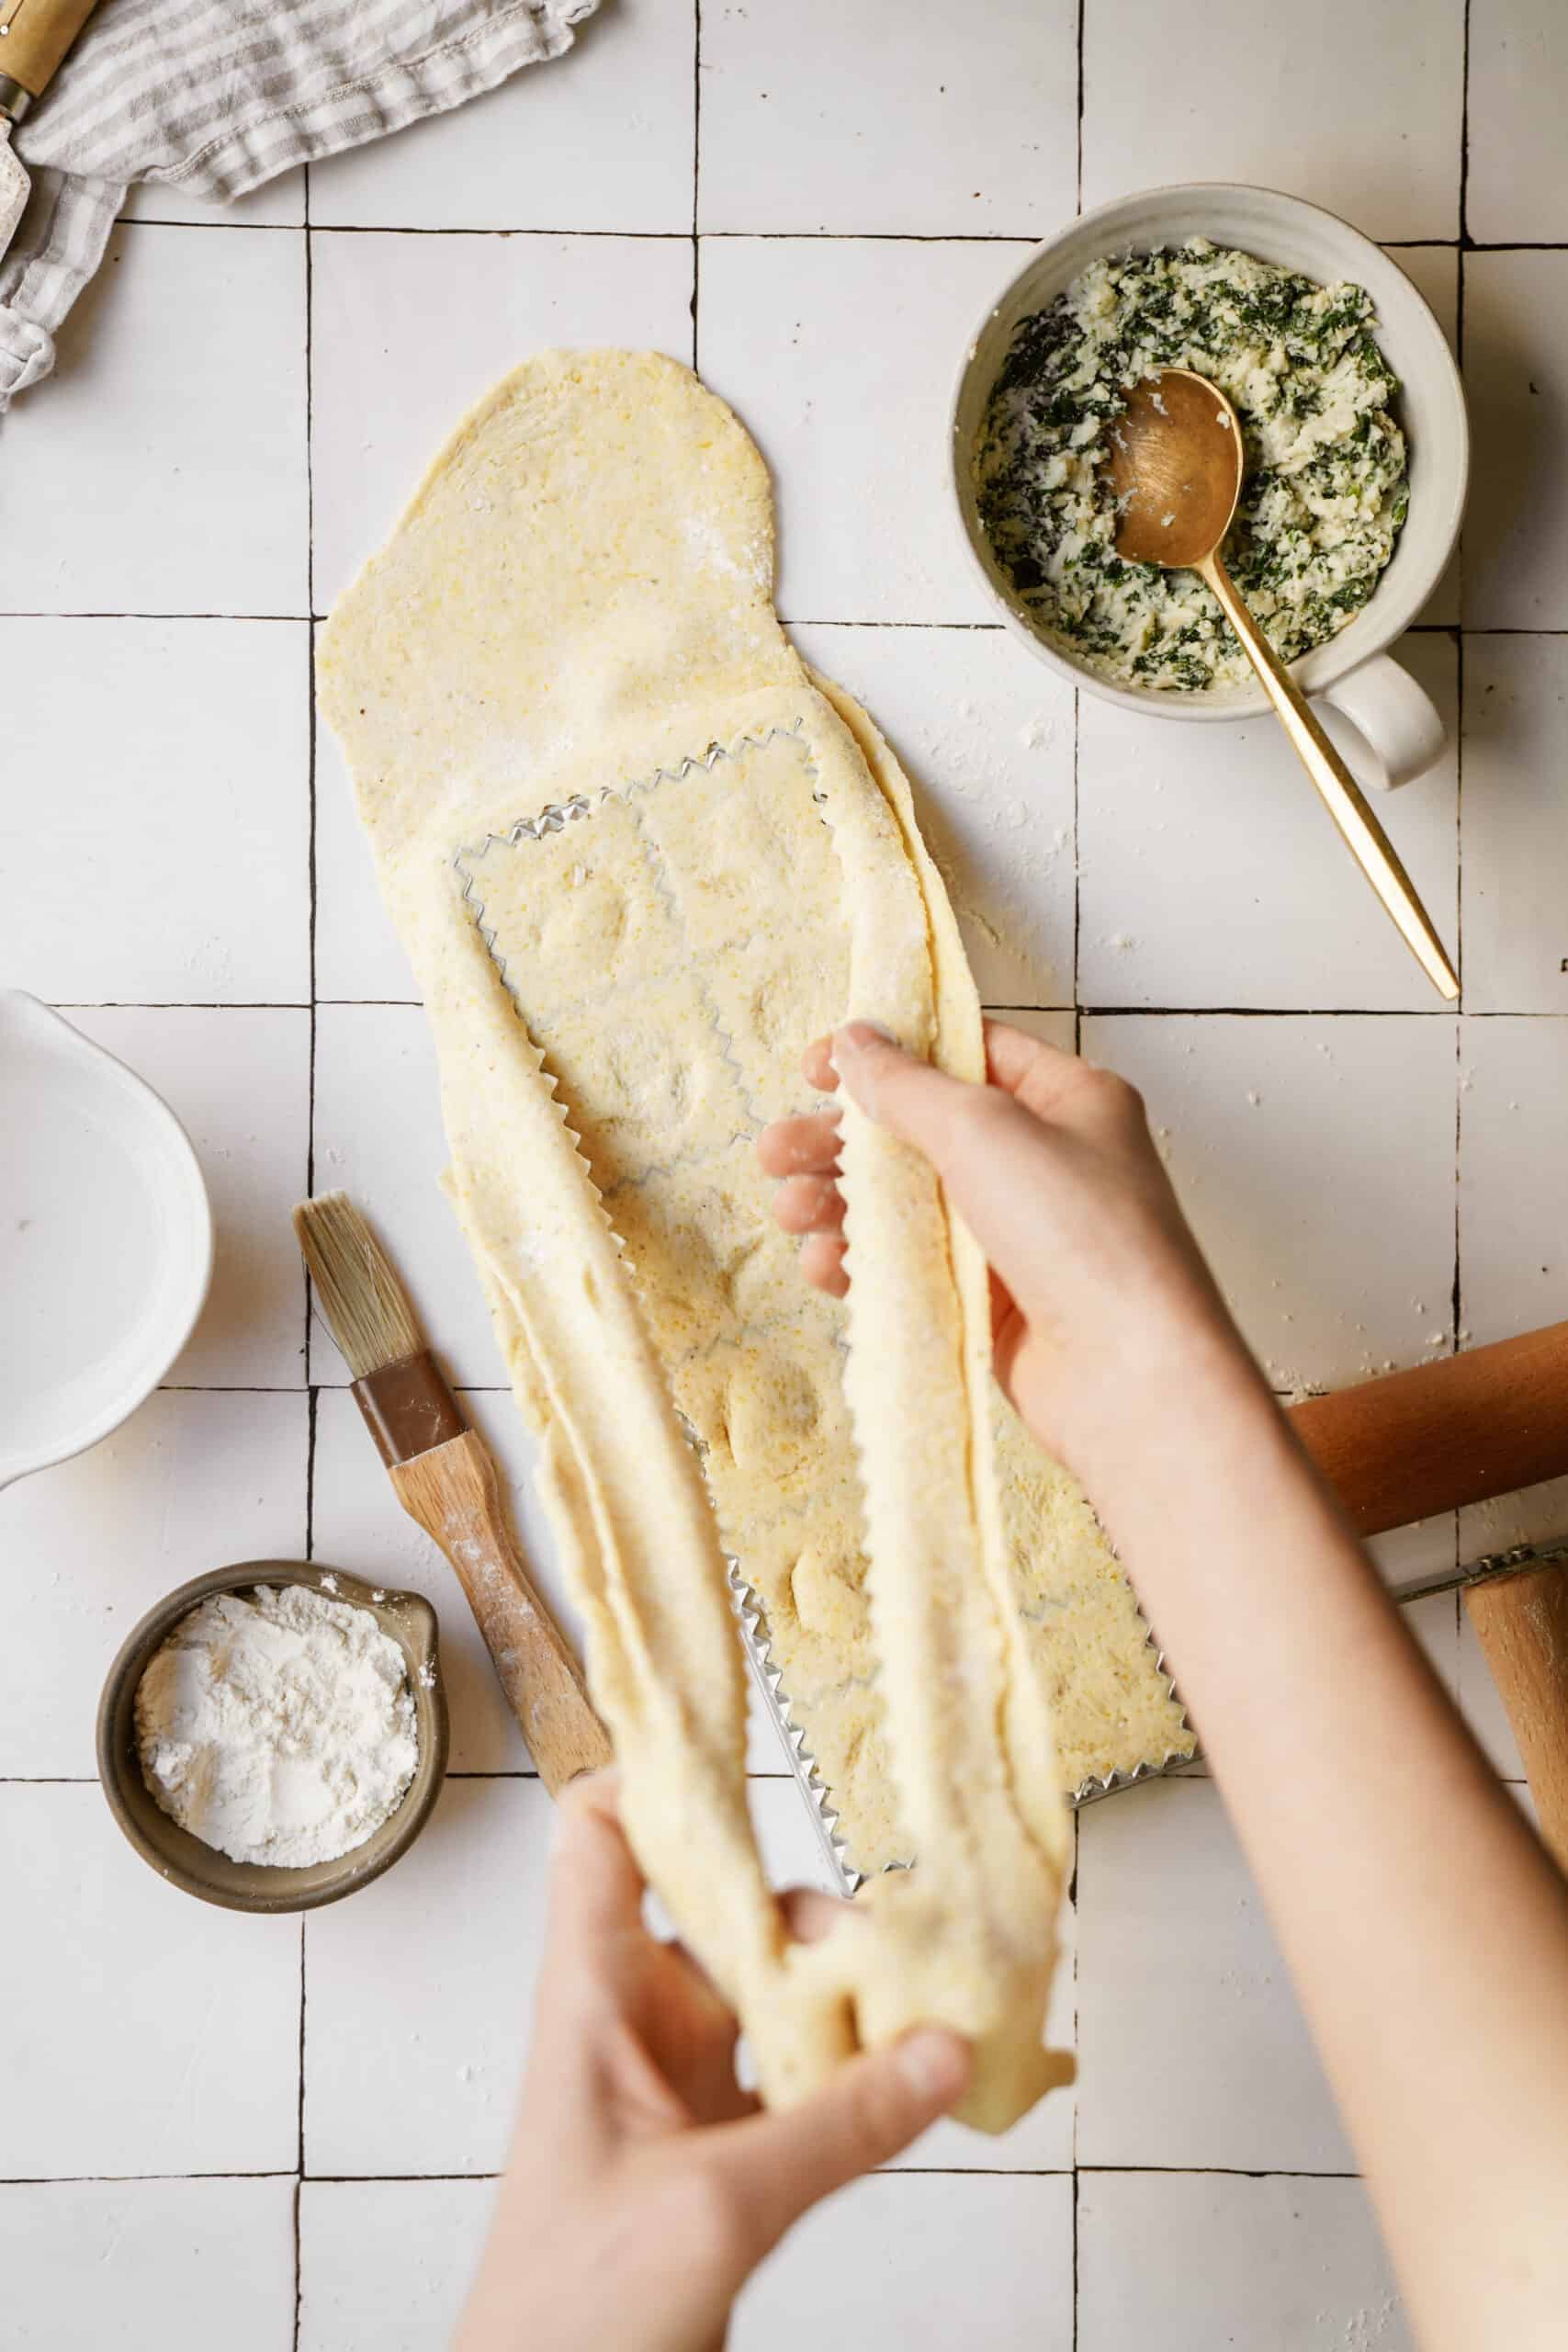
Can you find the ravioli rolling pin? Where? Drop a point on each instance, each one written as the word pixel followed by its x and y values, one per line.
pixel 442 1475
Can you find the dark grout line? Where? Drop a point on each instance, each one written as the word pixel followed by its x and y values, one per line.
pixel 1464 145
pixel 169 1004
pixel 1079 207
pixel 299 2248
pixel 19 616
pixel 778 236
pixel 1287 1013
pixel 791 620
pixel 125 2179
pixel 1077 2178
pixel 1077 871
pixel 696 170
pixel 1232 2172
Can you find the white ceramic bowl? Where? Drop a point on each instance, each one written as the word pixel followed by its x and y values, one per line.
pixel 1402 731
pixel 105 1239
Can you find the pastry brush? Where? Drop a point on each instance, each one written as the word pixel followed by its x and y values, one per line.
pixel 442 1475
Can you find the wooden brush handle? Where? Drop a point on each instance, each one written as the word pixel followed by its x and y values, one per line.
pixel 452 1492
pixel 1418 1442
pixel 1458 1431
pixel 1522 1624
pixel 35 36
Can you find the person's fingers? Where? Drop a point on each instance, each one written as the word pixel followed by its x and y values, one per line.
pixel 595 1885
pixel 816 1062
pixel 809 1205
pixel 822 1263
pixel 776 2165
pixel 1045 1078
pixel 803 1147
pixel 811 1917
pixel 906 1096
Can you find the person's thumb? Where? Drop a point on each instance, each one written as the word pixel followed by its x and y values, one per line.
pixel 906 1096
pixel 779 2163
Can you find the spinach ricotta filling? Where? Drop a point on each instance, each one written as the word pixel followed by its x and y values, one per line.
pixel 1326 488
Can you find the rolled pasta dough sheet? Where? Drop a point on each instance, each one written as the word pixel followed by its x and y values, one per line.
pixel 639 857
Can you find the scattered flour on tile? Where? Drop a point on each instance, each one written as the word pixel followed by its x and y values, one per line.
pixel 277 1728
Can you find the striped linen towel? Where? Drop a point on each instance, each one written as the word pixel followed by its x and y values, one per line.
pixel 214 96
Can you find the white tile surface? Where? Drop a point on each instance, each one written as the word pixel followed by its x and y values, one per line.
pixel 1190 2264
pixel 1210 873
pixel 385 2265
pixel 1377 143
pixel 1513 1150
pixel 238 1079
pixel 839 355
pixel 1518 69
pixel 1515 374
pixel 1315 1156
pixel 357 951
pixel 146 2264
pixel 1058 1029
pixel 1539 1515
pixel 408 331
pixel 190 1483
pixel 1191 2050
pixel 190 2013
pixel 875 119
pixel 378 1135
pixel 167 759
pixel 987 741
pixel 598 139
pixel 1514 845
pixel 164 471
pixel 922 2262
pixel 418 1992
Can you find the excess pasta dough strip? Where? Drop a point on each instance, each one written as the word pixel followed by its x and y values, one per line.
pixel 638 859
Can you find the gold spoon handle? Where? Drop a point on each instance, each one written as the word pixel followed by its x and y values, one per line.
pixel 1341 795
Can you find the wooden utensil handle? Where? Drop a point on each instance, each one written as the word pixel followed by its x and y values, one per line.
pixel 1522 1624
pixel 35 36
pixel 1474 1425
pixel 452 1492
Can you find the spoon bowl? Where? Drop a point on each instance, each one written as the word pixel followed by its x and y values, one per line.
pixel 1175 463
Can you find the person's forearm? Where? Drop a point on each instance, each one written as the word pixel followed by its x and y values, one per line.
pixel 1426 1929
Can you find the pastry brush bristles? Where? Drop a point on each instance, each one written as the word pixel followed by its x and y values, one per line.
pixel 365 1303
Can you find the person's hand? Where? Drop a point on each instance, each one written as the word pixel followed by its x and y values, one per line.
pixel 645 2185
pixel 1099 1294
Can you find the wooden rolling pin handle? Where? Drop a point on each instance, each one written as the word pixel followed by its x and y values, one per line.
pixel 1476 1425
pixel 452 1491
pixel 35 36
pixel 1484 1423
pixel 1522 1624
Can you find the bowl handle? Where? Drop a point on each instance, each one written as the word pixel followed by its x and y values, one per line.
pixel 1395 719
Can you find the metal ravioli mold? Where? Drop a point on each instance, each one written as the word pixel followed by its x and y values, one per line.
pixel 752 1617
pixel 747 1605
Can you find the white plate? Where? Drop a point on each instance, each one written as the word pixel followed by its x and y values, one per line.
pixel 105 1239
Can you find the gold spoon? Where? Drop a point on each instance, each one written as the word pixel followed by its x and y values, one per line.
pixel 1176 463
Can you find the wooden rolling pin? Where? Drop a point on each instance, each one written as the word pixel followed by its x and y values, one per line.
pixel 1460 1431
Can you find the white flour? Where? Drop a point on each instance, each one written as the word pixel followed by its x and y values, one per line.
pixel 277 1728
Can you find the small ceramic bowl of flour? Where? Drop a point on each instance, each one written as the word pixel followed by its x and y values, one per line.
pixel 274 1735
